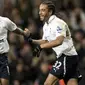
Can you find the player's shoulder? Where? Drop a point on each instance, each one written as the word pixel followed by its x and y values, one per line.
pixel 4 18
pixel 60 21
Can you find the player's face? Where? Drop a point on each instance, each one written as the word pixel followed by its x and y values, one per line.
pixel 43 12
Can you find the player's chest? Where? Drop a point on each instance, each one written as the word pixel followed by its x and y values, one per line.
pixel 50 33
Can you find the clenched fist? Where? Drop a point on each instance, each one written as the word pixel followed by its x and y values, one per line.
pixel 27 32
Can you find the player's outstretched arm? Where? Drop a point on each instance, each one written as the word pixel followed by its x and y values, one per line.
pixel 11 26
pixel 25 32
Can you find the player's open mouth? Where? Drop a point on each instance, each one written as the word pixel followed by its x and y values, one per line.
pixel 41 16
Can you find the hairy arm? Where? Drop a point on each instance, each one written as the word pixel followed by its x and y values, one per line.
pixel 53 43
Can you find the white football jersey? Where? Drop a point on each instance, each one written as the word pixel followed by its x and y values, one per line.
pixel 57 27
pixel 5 25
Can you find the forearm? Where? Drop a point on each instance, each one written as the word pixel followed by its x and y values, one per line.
pixel 49 44
pixel 39 41
pixel 53 43
pixel 19 31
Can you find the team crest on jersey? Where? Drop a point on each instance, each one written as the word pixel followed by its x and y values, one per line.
pixel 59 29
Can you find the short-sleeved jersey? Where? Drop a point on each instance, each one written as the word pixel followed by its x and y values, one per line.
pixel 5 26
pixel 57 27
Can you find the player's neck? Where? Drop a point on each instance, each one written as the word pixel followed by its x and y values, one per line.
pixel 47 19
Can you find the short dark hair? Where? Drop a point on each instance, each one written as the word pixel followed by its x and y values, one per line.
pixel 50 5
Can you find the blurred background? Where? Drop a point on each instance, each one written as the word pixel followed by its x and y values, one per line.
pixel 26 69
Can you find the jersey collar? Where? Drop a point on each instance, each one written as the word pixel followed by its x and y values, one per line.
pixel 51 18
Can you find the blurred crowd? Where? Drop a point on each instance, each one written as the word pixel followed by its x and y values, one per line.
pixel 26 69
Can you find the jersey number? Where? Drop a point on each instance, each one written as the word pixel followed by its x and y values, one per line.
pixel 57 64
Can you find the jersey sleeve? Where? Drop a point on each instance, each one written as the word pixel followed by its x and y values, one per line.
pixel 11 26
pixel 61 30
